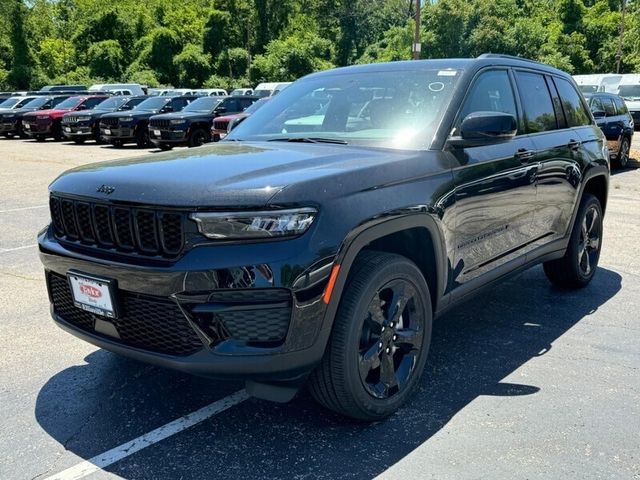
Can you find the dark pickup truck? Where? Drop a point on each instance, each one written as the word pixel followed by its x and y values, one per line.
pixel 119 128
pixel 11 121
pixel 317 247
pixel 192 125
pixel 44 124
pixel 82 126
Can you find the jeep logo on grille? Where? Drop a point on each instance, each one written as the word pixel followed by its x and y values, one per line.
pixel 105 189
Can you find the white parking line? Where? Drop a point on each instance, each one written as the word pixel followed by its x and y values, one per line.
pixel 126 449
pixel 23 208
pixel 5 250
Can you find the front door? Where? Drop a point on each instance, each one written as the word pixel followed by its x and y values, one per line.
pixel 495 187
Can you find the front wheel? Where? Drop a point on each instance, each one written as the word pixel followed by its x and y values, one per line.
pixel 142 138
pixel 579 264
pixel 622 159
pixel 380 339
pixel 199 137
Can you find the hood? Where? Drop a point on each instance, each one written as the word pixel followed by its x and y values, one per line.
pixel 87 113
pixel 182 115
pixel 54 112
pixel 131 114
pixel 225 174
pixel 228 118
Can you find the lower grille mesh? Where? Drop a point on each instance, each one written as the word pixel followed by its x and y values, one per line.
pixel 149 323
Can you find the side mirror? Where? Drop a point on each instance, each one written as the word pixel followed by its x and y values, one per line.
pixel 599 114
pixel 220 110
pixel 485 128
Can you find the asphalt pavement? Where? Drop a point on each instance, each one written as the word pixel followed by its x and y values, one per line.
pixel 524 382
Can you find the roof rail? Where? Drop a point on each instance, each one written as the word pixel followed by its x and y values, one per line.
pixel 512 57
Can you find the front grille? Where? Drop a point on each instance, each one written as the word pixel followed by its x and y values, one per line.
pixel 267 322
pixel 109 122
pixel 220 125
pixel 158 123
pixel 133 230
pixel 70 120
pixel 149 323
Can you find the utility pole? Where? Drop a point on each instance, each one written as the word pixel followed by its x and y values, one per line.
pixel 417 45
pixel 623 9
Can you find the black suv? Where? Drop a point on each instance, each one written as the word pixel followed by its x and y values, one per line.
pixel 11 121
pixel 192 125
pixel 119 128
pixel 615 121
pixel 324 255
pixel 82 126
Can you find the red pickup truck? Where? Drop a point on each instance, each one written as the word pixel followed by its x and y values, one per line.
pixel 43 124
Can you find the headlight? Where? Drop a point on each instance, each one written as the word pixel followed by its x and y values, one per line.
pixel 7 117
pixel 176 122
pixel 43 117
pixel 124 119
pixel 249 225
pixel 84 119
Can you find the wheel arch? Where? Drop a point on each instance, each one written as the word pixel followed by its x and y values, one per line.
pixel 400 235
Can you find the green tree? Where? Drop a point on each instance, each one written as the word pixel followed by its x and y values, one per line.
pixel 192 66
pixel 106 60
pixel 22 67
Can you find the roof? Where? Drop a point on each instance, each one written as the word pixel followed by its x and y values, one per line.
pixel 487 59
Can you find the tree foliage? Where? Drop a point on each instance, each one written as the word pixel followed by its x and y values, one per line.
pixel 234 43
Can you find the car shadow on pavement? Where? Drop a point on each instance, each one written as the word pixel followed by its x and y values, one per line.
pixel 109 400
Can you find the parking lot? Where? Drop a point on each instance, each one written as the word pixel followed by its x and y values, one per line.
pixel 525 382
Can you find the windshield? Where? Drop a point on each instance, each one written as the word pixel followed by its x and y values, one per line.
pixel 69 103
pixel 588 88
pixel 9 102
pixel 151 104
pixel 393 109
pixel 629 91
pixel 37 102
pixel 238 91
pixel 262 93
pixel 111 103
pixel 202 105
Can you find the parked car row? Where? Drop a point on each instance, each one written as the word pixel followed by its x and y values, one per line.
pixel 164 121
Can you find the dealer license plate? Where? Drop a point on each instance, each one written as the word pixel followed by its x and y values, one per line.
pixel 92 294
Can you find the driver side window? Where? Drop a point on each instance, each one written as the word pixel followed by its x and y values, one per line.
pixel 491 92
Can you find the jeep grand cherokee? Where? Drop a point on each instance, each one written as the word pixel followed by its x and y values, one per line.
pixel 318 246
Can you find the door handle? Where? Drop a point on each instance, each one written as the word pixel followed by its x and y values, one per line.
pixel 574 144
pixel 525 155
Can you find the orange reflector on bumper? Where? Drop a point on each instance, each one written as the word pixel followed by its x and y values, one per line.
pixel 332 283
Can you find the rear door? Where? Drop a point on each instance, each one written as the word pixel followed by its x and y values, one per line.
pixel 553 142
pixel 495 187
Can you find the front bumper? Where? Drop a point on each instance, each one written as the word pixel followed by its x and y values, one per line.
pixel 8 126
pixel 37 128
pixel 177 136
pixel 77 131
pixel 121 133
pixel 246 275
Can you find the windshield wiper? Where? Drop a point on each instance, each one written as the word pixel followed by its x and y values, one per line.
pixel 309 140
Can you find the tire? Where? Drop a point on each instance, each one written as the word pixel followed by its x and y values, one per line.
pixel 164 147
pixel 40 138
pixel 78 141
pixel 622 158
pixel 117 143
pixel 368 371
pixel 199 137
pixel 142 138
pixel 580 262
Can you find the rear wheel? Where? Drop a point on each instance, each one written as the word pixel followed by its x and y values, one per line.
pixel 380 339
pixel 579 264
pixel 199 137
pixel 622 158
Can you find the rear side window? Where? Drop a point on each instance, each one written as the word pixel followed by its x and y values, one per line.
pixel 491 92
pixel 609 107
pixel 621 107
pixel 574 109
pixel 179 103
pixel 539 115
